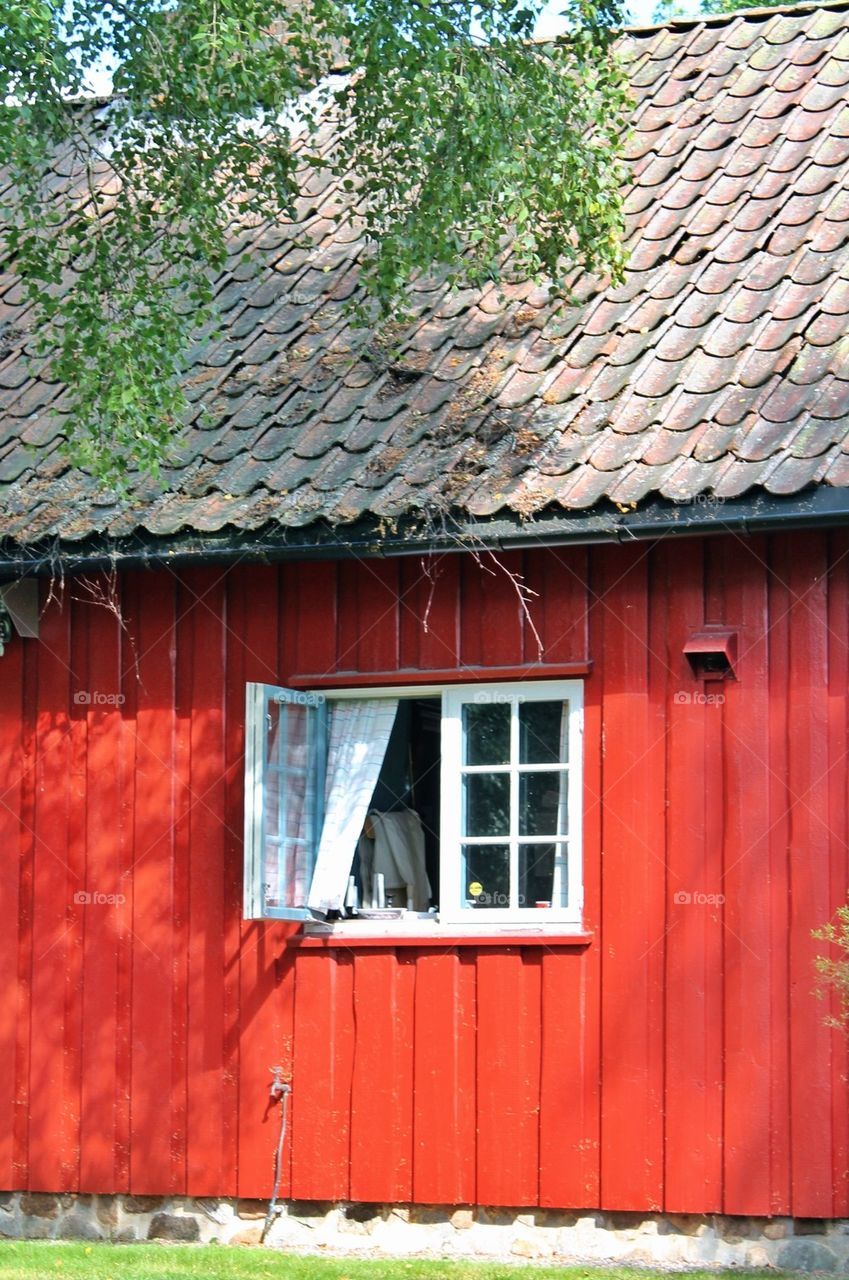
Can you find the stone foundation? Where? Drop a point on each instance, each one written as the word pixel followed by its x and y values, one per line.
pixel 544 1235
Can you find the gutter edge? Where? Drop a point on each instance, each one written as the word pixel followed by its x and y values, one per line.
pixel 825 507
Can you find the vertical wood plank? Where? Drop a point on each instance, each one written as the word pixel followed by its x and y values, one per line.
pixel 232 837
pixel 508 1086
pixel 570 1080
pixel 492 620
pixel 570 1085
pixel 258 644
pixel 747 934
pixel 84 680
pixel 26 918
pixel 634 873
pixel 11 797
pixel 838 685
pixel 444 1099
pixel 693 1030
pixel 382 1083
pixel 778 899
pixel 182 937
pixel 368 615
pixel 209 1157
pixel 308 620
pixel 155 1033
pixel 126 643
pixel 430 612
pixel 558 610
pixel 55 916
pixel 810 1039
pixel 323 1068
pixel 103 920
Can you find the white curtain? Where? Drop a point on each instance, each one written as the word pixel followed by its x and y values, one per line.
pixel 359 734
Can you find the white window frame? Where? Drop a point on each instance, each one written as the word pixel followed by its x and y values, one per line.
pixel 452 911
pixel 454 698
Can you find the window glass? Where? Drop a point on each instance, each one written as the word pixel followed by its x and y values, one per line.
pixel 486 733
pixel 486 804
pixel 485 880
pixel 543 732
pixel 542 803
pixel 288 852
pixel 542 875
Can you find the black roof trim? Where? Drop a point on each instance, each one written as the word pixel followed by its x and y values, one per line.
pixel 822 507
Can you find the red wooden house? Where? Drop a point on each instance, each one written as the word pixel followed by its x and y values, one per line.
pixel 571 586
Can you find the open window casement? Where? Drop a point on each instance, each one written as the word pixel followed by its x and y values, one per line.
pixel 309 779
pixel 472 794
pixel 285 754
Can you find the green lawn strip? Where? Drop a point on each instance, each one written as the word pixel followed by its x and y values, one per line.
pixel 37 1260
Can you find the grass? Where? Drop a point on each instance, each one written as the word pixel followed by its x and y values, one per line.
pixel 32 1260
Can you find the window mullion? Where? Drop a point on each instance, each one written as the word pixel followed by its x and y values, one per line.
pixel 514 804
pixel 282 795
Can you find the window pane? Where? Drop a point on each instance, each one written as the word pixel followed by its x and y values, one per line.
pixel 542 875
pixel 486 804
pixel 486 732
pixel 297 736
pixel 486 877
pixel 543 732
pixel 287 834
pixel 542 804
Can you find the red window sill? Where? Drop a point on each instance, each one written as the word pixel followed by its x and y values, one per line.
pixel 354 942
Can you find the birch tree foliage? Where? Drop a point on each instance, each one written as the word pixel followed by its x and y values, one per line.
pixel 455 133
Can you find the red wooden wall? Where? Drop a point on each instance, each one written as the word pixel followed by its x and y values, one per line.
pixel 678 1062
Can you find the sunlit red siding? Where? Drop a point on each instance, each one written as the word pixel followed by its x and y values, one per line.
pixel 678 1061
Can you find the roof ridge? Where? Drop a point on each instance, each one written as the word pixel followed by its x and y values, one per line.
pixel 718 19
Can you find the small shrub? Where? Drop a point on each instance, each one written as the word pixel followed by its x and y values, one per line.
pixel 833 971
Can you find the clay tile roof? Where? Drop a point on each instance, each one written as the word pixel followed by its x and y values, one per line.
pixel 720 365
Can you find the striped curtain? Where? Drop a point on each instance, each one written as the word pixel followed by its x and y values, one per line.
pixel 359 733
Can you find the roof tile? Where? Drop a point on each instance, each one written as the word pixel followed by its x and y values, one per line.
pixel 837 472
pixel 825 330
pixel 657 378
pixel 734 476
pixel 707 373
pixel 788 402
pixel 759 366
pixel 812 266
pixel 815 436
pixel 663 446
pixel 792 474
pixel 610 381
pixel 812 363
pixel 687 409
pixel 677 342
pixel 792 299
pixel 726 338
pixel 831 399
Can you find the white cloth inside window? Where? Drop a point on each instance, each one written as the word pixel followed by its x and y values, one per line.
pixel 359 733
pixel 397 852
